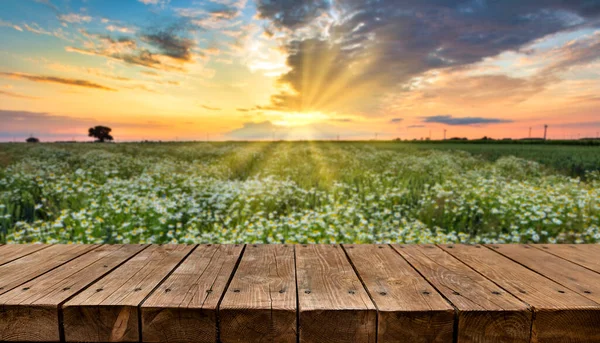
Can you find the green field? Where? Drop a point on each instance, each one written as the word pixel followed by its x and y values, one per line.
pixel 299 192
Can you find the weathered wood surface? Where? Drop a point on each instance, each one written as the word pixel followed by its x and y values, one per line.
pixel 184 307
pixel 12 252
pixel 31 311
pixel 260 303
pixel 568 274
pixel 33 265
pixel 586 255
pixel 561 315
pixel 332 303
pixel 409 308
pixel 486 312
pixel 300 293
pixel 107 311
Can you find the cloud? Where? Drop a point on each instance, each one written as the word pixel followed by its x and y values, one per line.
pixel 170 44
pixel 119 28
pixel 9 24
pixel 369 48
pixel 75 18
pixel 154 2
pixel 415 126
pixel 35 28
pixel 58 80
pixel 291 13
pixel 463 121
pixel 396 120
pixel 211 108
pixel 160 48
pixel 217 16
pixel 49 4
pixel 16 95
pixel 124 49
pixel 267 130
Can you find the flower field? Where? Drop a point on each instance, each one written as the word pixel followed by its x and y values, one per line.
pixel 302 192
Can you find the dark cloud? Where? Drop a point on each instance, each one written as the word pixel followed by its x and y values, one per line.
pixel 370 47
pixel 59 80
pixel 170 43
pixel 124 49
pixel 243 109
pixel 463 121
pixel 291 13
pixel 396 120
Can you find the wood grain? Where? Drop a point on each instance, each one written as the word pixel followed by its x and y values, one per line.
pixel 409 308
pixel 12 252
pixel 333 304
pixel 107 311
pixel 260 303
pixel 568 274
pixel 184 307
pixel 486 313
pixel 36 304
pixel 585 255
pixel 561 315
pixel 33 265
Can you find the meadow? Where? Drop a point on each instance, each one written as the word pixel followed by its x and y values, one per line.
pixel 299 192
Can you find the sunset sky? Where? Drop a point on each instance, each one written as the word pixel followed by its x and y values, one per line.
pixel 291 69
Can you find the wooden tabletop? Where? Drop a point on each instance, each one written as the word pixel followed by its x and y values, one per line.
pixel 300 293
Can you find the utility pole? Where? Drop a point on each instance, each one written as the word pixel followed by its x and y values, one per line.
pixel 530 132
pixel 444 134
pixel 375 135
pixel 207 138
pixel 545 131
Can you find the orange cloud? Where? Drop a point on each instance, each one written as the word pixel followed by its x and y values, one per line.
pixel 59 80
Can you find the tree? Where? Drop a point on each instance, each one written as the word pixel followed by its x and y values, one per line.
pixel 101 133
pixel 32 140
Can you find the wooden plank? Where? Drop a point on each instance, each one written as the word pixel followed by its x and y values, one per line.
pixel 568 274
pixel 33 265
pixel 409 308
pixel 260 303
pixel 12 252
pixel 184 307
pixel 561 315
pixel 585 255
pixel 332 303
pixel 486 313
pixel 107 311
pixel 36 304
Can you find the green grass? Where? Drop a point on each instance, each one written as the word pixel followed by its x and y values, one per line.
pixel 302 192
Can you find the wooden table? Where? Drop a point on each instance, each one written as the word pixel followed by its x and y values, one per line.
pixel 300 293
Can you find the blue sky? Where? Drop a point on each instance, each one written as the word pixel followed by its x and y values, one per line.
pixel 255 69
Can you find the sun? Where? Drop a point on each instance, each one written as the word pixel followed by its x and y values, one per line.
pixel 299 118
